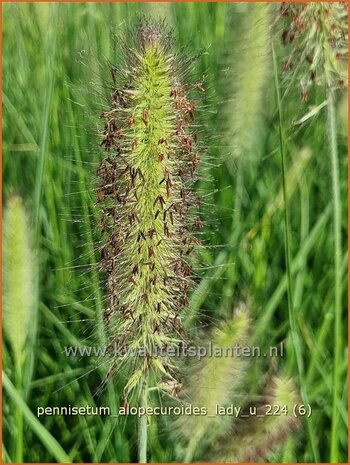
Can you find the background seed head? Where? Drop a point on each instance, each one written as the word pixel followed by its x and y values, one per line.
pixel 263 433
pixel 215 381
pixel 19 272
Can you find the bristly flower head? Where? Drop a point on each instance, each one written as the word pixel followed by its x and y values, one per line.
pixel 317 33
pixel 19 271
pixel 145 199
pixel 264 432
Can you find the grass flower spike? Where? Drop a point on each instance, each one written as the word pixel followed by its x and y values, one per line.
pixel 215 381
pixel 318 35
pixel 19 295
pixel 265 432
pixel 145 198
pixel 248 87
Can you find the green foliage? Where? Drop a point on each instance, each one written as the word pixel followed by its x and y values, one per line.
pixel 319 34
pixel 54 89
pixel 44 436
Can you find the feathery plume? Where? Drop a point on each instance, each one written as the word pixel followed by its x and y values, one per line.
pixel 260 435
pixel 317 35
pixel 215 381
pixel 19 278
pixel 145 198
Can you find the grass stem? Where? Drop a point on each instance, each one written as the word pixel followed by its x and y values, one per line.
pixel 142 432
pixel 332 137
pixel 19 418
pixel 191 448
pixel 45 134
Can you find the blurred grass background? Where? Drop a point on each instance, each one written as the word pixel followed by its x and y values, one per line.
pixel 55 69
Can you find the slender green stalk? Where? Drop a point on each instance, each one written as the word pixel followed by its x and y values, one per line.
pixel 42 155
pixel 5 455
pixel 191 448
pixel 19 418
pixel 287 240
pixel 142 432
pixel 42 433
pixel 332 136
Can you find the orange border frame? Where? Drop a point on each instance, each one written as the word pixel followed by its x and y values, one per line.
pixel 155 1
